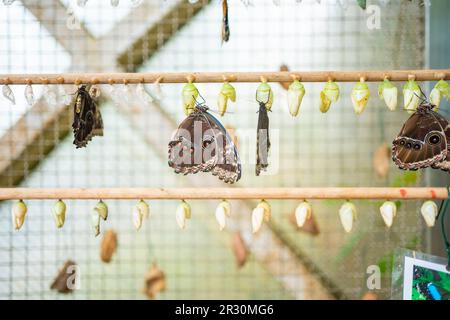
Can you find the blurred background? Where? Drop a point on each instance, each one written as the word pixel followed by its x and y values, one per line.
pixel 335 149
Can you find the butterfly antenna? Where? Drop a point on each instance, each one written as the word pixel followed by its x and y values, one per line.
pixel 203 100
pixel 423 100
pixel 423 94
pixel 268 98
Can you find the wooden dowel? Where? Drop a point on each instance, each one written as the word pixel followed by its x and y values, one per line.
pixel 209 77
pixel 224 193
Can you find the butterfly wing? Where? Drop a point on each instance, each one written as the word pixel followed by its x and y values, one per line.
pixel 182 147
pixel 262 140
pixel 422 142
pixel 87 120
pixel 228 163
pixel 201 143
pixel 445 124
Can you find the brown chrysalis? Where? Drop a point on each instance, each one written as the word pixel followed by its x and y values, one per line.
pixel 154 281
pixel 108 246
pixel 240 250
pixel 65 280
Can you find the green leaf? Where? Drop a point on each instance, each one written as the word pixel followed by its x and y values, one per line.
pixel 362 4
pixel 349 246
pixel 408 178
pixel 386 262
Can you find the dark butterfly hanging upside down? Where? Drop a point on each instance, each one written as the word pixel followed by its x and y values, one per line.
pixel 262 138
pixel 225 22
pixel 87 120
pixel 201 143
pixel 424 141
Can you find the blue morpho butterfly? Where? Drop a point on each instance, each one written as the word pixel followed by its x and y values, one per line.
pixel 201 143
pixel 424 141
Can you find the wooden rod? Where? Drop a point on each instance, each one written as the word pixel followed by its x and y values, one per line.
pixel 208 77
pixel 224 193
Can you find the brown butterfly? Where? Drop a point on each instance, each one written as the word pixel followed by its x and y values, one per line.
pixel 262 139
pixel 87 120
pixel 201 143
pixel 424 141
pixel 225 22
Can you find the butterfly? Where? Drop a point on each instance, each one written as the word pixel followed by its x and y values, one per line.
pixel 262 138
pixel 87 120
pixel 201 143
pixel 225 22
pixel 424 141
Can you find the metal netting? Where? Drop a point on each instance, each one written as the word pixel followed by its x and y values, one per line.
pixel 313 150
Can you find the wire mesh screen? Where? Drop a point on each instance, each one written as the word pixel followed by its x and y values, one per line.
pixel 313 150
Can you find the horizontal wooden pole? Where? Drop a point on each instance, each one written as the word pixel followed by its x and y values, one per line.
pixel 224 193
pixel 208 77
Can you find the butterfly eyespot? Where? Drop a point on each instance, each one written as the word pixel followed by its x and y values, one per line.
pixel 417 146
pixel 402 142
pixel 409 145
pixel 434 139
pixel 206 144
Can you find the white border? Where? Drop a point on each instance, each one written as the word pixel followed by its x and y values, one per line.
pixel 409 270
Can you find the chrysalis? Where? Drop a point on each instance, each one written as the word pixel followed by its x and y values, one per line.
pixel 50 96
pixel 157 91
pixel 95 92
pixel 226 93
pixel 95 221
pixel 108 246
pixel 154 281
pixel 126 94
pixel 114 3
pixel 142 93
pixel 240 250
pixel 29 95
pixel 18 213
pixel 64 98
pixel 59 213
pixel 8 94
pixel 221 216
pixel 257 219
pixel 102 209
pixel 115 93
pixel 64 281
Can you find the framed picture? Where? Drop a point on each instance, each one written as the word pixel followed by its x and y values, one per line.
pixel 418 276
